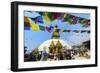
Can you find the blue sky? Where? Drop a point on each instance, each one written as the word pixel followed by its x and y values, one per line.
pixel 33 39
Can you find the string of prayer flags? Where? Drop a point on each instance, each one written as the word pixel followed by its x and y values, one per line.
pixel 37 27
pixel 50 28
pixel 66 18
pixel 76 31
pixel 71 19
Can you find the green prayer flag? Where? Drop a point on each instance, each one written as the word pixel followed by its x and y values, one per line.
pixel 42 28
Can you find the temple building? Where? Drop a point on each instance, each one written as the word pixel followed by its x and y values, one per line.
pixel 55 44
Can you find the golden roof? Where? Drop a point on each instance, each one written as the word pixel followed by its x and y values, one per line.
pixel 59 44
pixel 52 45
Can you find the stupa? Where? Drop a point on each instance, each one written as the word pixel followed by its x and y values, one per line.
pixel 54 43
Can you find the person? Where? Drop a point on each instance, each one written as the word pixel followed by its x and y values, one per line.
pixel 68 54
pixel 72 54
pixel 81 51
pixel 40 55
pixel 62 54
pixel 32 57
pixel 44 55
pixel 53 55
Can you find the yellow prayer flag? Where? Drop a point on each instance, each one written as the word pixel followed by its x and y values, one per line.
pixel 61 30
pixel 65 15
pixel 35 27
pixel 26 19
pixel 46 18
pixel 78 31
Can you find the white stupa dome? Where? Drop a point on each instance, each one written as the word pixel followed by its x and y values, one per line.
pixel 47 43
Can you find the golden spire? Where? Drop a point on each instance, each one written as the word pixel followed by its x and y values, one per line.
pixel 56 34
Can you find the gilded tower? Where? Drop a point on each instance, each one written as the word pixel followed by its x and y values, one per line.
pixel 56 34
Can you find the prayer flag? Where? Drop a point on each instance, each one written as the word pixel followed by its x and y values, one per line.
pixel 77 31
pixel 42 28
pixel 26 24
pixel 68 30
pixel 35 27
pixel 88 31
pixel 61 30
pixel 48 29
pixel 26 28
pixel 26 19
pixel 46 18
pixel 39 19
pixel 82 31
